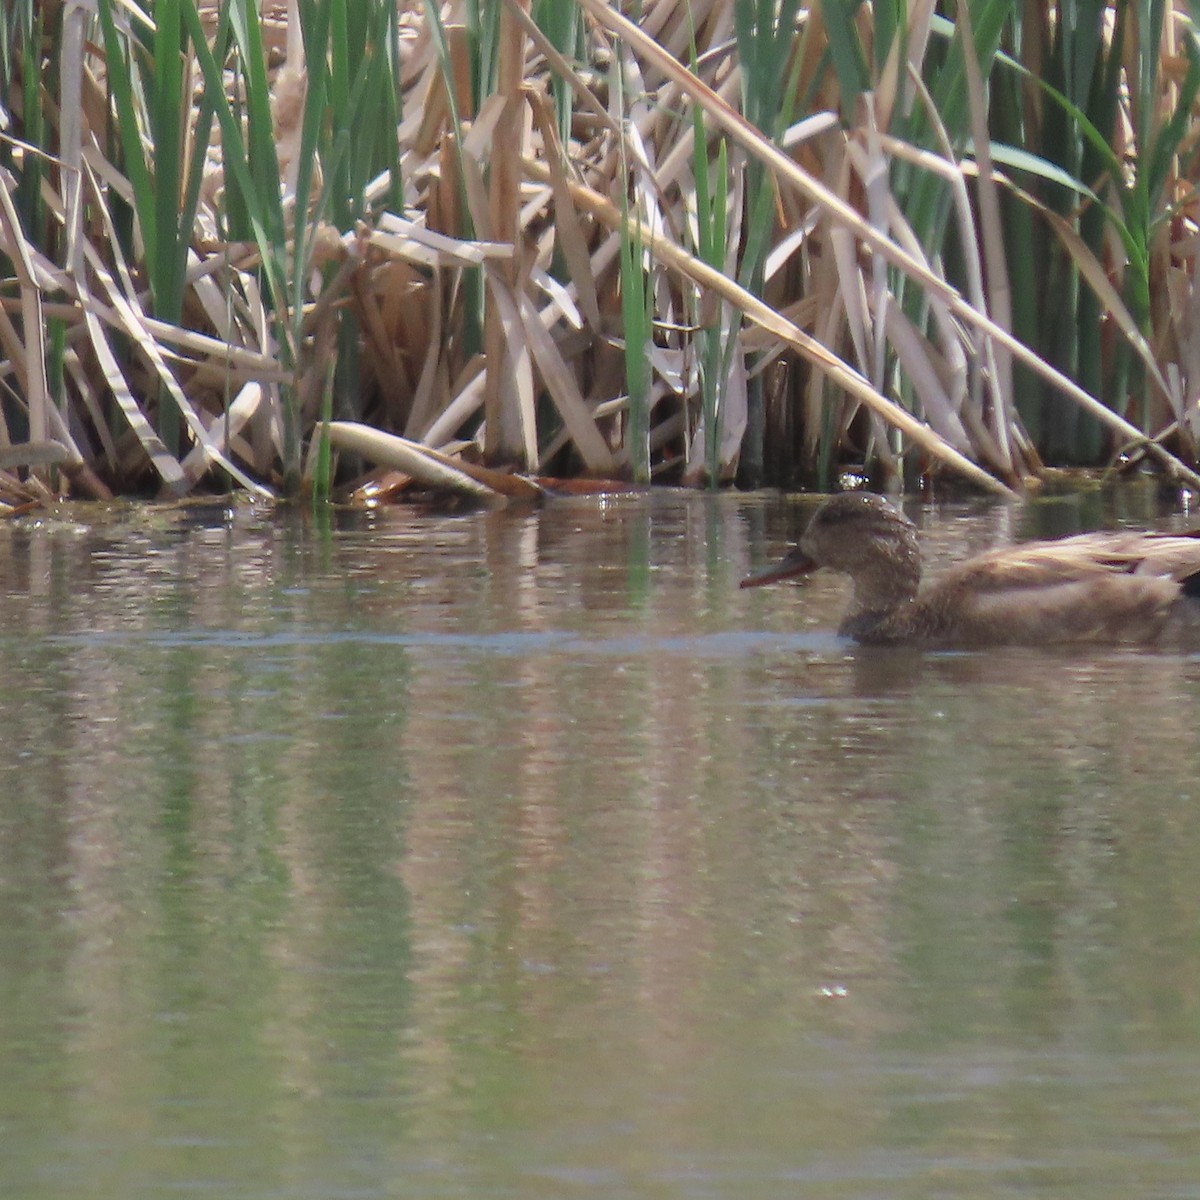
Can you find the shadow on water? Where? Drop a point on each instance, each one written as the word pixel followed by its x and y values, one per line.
pixel 520 854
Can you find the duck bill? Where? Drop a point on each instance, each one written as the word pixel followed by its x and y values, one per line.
pixel 796 563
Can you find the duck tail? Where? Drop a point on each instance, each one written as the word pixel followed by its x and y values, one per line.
pixel 1190 585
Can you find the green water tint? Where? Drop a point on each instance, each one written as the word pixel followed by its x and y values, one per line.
pixel 523 855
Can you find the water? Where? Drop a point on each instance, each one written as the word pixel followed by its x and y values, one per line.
pixel 521 855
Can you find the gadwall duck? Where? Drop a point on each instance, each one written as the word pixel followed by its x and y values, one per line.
pixel 1095 587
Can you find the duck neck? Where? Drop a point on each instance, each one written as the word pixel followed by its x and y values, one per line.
pixel 882 590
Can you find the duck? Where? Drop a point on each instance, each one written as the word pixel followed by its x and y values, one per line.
pixel 1093 588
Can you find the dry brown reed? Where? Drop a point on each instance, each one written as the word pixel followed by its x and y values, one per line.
pixel 478 281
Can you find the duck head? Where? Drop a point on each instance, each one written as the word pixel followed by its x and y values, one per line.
pixel 861 535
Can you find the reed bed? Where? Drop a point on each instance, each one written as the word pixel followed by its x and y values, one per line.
pixel 726 239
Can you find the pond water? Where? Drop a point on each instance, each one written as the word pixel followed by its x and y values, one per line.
pixel 520 854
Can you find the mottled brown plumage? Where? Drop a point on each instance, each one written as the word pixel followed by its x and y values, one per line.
pixel 1093 588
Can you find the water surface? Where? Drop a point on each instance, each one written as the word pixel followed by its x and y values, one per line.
pixel 519 854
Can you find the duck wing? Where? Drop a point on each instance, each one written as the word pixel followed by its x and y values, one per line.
pixel 1083 558
pixel 1090 588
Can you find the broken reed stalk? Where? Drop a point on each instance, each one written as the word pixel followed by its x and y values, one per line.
pixel 774 323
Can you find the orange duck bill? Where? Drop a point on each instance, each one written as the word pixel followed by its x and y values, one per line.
pixel 795 563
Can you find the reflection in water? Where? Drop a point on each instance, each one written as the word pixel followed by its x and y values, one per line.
pixel 521 854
